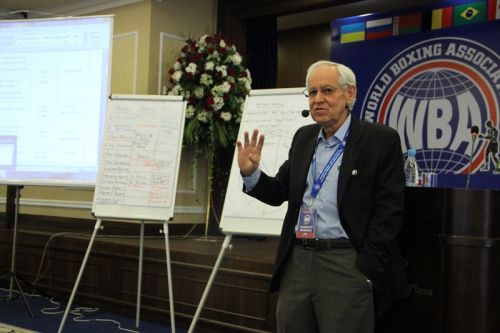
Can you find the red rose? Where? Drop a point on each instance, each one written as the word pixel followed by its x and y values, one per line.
pixel 210 101
pixel 197 57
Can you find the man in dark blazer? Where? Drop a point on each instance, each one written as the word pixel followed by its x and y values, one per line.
pixel 337 262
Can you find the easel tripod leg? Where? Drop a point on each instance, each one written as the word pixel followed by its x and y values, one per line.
pixel 225 246
pixel 139 278
pixel 169 277
pixel 26 304
pixel 82 268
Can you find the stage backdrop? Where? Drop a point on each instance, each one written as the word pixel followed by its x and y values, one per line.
pixel 433 74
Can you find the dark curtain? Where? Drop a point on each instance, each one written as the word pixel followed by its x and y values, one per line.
pixel 262 52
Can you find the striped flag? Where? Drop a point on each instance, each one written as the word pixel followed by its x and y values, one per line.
pixel 442 18
pixel 473 12
pixel 493 10
pixel 379 28
pixel 353 32
pixel 406 24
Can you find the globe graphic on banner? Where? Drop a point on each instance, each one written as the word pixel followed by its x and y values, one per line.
pixel 438 84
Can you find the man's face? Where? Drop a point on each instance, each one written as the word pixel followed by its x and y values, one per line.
pixel 327 99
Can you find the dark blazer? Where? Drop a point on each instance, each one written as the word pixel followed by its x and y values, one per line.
pixel 370 194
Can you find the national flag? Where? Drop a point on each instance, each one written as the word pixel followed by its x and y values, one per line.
pixel 473 12
pixel 379 28
pixel 426 21
pixel 353 32
pixel 442 18
pixel 493 10
pixel 409 23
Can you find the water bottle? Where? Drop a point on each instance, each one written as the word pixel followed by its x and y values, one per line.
pixel 411 169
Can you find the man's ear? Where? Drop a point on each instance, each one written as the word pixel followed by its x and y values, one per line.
pixel 350 93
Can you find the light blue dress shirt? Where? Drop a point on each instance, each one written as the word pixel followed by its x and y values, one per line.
pixel 328 225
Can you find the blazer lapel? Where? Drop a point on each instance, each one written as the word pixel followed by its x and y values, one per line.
pixel 307 148
pixel 350 157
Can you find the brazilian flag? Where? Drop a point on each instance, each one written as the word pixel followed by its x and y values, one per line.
pixel 473 12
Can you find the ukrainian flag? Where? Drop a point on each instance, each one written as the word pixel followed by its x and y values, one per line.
pixel 353 32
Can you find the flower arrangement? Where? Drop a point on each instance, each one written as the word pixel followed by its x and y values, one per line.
pixel 210 75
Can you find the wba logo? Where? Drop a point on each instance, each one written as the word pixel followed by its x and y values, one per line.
pixel 433 93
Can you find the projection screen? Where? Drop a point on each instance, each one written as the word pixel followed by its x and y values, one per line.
pixel 54 85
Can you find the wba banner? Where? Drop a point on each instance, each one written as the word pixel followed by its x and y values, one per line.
pixel 433 74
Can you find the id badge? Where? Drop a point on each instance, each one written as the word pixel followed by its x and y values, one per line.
pixel 308 217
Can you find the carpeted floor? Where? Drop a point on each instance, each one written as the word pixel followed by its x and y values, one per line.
pixel 14 318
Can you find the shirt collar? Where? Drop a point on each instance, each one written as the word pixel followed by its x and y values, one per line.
pixel 339 134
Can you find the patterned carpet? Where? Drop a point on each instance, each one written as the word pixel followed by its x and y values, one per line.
pixel 48 315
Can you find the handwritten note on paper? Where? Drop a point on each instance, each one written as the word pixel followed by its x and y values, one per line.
pixel 140 150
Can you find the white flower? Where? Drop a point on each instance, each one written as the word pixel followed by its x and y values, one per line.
pixel 202 116
pixel 226 116
pixel 239 113
pixel 222 43
pixel 190 111
pixel 177 66
pixel 177 75
pixel 198 92
pixel 249 77
pixel 206 79
pixel 246 82
pixel 191 68
pixel 218 103
pixel 214 56
pixel 176 90
pixel 209 66
pixel 235 58
pixel 216 90
pixel 222 69
pixel 225 87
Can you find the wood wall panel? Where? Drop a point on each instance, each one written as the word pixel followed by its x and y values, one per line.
pixel 299 48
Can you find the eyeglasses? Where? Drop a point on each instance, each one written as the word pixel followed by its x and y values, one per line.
pixel 325 91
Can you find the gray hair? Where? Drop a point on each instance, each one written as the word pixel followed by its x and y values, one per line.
pixel 346 75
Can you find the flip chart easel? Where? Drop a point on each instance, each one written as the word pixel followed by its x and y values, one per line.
pixel 277 113
pixel 138 169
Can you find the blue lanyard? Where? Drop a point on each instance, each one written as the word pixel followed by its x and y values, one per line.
pixel 318 183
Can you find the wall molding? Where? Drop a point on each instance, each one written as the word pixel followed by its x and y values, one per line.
pixel 71 204
pixel 163 37
pixel 135 36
